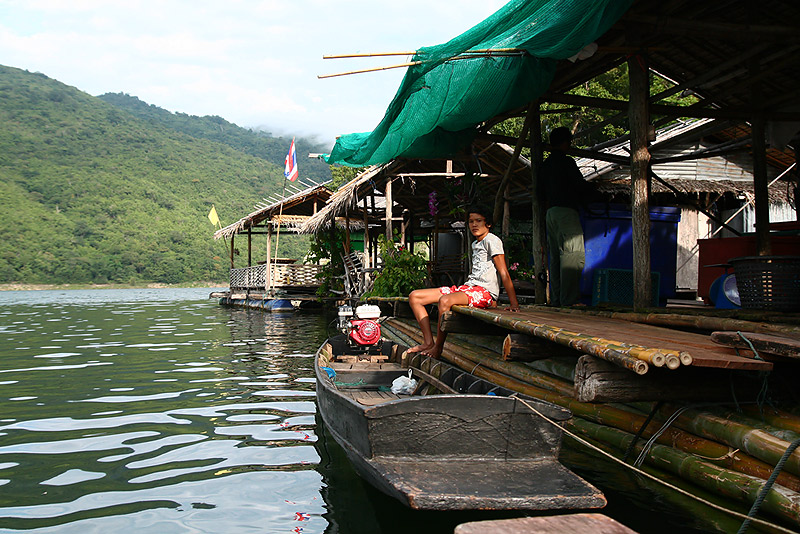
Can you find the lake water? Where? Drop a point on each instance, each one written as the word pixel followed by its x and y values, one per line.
pixel 159 411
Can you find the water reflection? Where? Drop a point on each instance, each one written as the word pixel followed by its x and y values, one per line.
pixel 160 411
pixel 138 411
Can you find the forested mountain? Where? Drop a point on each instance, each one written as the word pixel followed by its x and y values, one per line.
pixel 93 192
pixel 256 143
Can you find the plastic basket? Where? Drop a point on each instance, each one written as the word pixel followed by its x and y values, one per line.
pixel 768 282
pixel 615 286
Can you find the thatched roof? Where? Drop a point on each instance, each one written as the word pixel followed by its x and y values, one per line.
pixel 414 181
pixel 622 186
pixel 346 195
pixel 293 211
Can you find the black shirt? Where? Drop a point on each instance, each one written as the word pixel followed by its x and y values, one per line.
pixel 561 183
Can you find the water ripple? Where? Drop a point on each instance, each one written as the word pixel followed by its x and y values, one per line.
pixel 168 433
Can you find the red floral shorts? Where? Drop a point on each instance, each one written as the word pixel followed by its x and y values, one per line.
pixel 478 296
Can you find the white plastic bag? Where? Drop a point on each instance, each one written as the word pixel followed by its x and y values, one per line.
pixel 404 385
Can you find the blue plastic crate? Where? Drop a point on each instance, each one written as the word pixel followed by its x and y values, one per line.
pixel 615 286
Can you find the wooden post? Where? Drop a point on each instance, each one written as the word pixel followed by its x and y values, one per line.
pixel 249 247
pixel 367 244
pixel 232 236
pixel 268 277
pixel 760 185
pixel 411 231
pixel 538 237
pixel 389 235
pixel 639 80
pixel 506 214
pixel 346 230
pixel 404 229
pixel 501 190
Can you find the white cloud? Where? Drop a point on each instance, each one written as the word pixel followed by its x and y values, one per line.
pixel 253 63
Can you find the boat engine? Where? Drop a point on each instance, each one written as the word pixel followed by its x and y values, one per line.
pixel 361 328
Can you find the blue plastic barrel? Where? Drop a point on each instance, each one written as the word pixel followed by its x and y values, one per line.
pixel 608 233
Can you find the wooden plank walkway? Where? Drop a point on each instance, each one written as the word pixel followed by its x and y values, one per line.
pixel 703 351
pixel 594 523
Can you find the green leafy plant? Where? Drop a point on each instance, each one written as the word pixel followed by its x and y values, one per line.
pixel 403 271
pixel 326 249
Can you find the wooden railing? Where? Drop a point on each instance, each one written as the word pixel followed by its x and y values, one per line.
pixel 283 276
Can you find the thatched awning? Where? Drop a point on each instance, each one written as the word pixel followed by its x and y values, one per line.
pixel 347 194
pixel 293 211
pixel 777 193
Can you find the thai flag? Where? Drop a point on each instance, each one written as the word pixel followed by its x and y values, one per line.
pixel 290 171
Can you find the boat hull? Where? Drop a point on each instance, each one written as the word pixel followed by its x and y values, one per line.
pixel 451 452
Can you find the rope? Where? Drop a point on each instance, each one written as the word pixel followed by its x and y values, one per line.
pixel 656 407
pixel 650 442
pixel 652 477
pixel 767 486
pixel 762 394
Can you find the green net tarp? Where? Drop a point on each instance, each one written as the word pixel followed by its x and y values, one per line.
pixel 440 100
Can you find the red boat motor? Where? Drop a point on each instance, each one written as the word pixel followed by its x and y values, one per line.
pixel 362 328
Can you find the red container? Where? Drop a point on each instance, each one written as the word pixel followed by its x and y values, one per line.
pixel 720 251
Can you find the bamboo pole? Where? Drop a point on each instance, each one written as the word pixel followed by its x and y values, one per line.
pixel 755 442
pixel 774 417
pixel 612 353
pixel 374 69
pixel 481 51
pixel 616 417
pixel 513 369
pixel 780 502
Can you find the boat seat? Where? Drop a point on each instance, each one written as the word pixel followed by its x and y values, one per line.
pixel 372 397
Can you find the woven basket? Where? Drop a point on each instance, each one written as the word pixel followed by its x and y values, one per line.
pixel 768 282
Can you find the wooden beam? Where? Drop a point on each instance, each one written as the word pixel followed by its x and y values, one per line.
pixel 599 381
pixel 693 111
pixel 524 348
pixel 722 30
pixel 499 197
pixel 456 323
pixel 639 80
pixel 579 152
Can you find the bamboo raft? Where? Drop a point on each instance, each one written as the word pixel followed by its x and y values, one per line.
pixel 726 452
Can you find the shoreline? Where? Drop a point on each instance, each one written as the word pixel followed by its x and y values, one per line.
pixel 153 285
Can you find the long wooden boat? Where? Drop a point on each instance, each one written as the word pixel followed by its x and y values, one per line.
pixel 456 442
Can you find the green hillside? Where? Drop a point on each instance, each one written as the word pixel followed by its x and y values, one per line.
pixel 90 192
pixel 253 142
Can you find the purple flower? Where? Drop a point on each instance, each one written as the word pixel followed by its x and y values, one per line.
pixel 433 204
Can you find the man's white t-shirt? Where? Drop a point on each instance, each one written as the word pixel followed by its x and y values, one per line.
pixel 483 272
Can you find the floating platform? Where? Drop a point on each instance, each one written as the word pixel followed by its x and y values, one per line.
pixel 281 304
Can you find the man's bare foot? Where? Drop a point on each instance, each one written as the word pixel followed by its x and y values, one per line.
pixel 432 352
pixel 421 348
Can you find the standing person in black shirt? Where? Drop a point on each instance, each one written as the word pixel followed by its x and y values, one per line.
pixel 563 188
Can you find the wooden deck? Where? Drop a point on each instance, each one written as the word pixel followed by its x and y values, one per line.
pixel 704 352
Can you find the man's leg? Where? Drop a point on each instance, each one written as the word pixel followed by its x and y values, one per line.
pixel 554 251
pixel 573 257
pixel 445 303
pixel 417 300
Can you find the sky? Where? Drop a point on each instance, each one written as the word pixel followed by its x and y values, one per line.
pixel 252 62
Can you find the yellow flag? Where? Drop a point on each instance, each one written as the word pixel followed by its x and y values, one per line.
pixel 213 217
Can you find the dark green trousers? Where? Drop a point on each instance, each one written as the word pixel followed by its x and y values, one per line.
pixel 567 256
